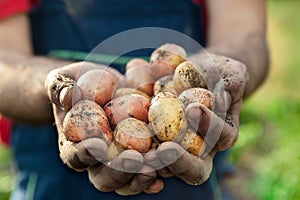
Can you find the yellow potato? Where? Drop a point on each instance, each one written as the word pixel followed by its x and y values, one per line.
pixel 166 58
pixel 193 142
pixel 186 76
pixel 164 84
pixel 167 118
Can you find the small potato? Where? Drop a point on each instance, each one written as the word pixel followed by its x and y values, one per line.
pixel 166 58
pixel 97 85
pixel 135 62
pixel 140 77
pixel 192 142
pixel 86 119
pixel 187 76
pixel 127 90
pixel 134 134
pixel 167 118
pixel 164 84
pixel 197 95
pixel 130 105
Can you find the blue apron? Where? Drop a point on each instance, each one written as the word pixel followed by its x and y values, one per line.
pixel 79 26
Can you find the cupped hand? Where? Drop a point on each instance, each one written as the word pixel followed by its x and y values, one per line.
pixel 219 126
pixel 125 174
pixel 227 79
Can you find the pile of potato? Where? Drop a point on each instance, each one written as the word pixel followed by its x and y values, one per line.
pixel 141 110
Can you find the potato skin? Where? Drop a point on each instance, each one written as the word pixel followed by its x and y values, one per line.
pixel 192 142
pixel 97 85
pixel 133 134
pixel 140 77
pixel 167 118
pixel 86 119
pixel 128 90
pixel 130 105
pixel 164 84
pixel 187 76
pixel 166 58
pixel 197 95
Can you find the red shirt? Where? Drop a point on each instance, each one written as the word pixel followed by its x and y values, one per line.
pixel 10 7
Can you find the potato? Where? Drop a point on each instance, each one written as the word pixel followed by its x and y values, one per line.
pixel 197 95
pixel 135 62
pixel 140 77
pixel 130 133
pixel 167 118
pixel 192 142
pixel 166 58
pixel 86 119
pixel 186 76
pixel 134 134
pixel 127 90
pixel 130 105
pixel 164 84
pixel 97 85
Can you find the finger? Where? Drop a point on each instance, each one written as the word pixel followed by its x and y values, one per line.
pixel 111 176
pixel 151 159
pixel 217 132
pixel 156 186
pixel 84 154
pixel 188 167
pixel 140 181
pixel 165 172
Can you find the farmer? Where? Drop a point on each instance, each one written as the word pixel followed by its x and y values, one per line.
pixel 33 31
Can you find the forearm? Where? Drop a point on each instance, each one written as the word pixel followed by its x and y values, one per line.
pixel 22 93
pixel 237 30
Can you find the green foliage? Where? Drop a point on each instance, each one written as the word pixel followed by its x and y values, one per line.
pixel 6 178
pixel 273 133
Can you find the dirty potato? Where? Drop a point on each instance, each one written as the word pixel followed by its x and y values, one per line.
pixel 197 95
pixel 166 58
pixel 167 118
pixel 130 133
pixel 97 85
pixel 192 142
pixel 130 105
pixel 86 119
pixel 186 76
pixel 164 84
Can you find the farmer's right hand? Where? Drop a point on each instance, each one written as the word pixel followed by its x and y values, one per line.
pixel 126 173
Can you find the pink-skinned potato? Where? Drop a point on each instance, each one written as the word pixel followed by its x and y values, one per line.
pixel 86 119
pixel 130 105
pixel 138 75
pixel 197 95
pixel 97 85
pixel 132 134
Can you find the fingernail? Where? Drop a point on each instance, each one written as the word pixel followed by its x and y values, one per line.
pixel 131 165
pixel 169 155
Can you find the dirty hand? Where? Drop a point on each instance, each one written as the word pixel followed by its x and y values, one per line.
pixel 219 127
pixel 126 173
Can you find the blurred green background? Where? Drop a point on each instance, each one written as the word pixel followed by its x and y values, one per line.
pixel 267 155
